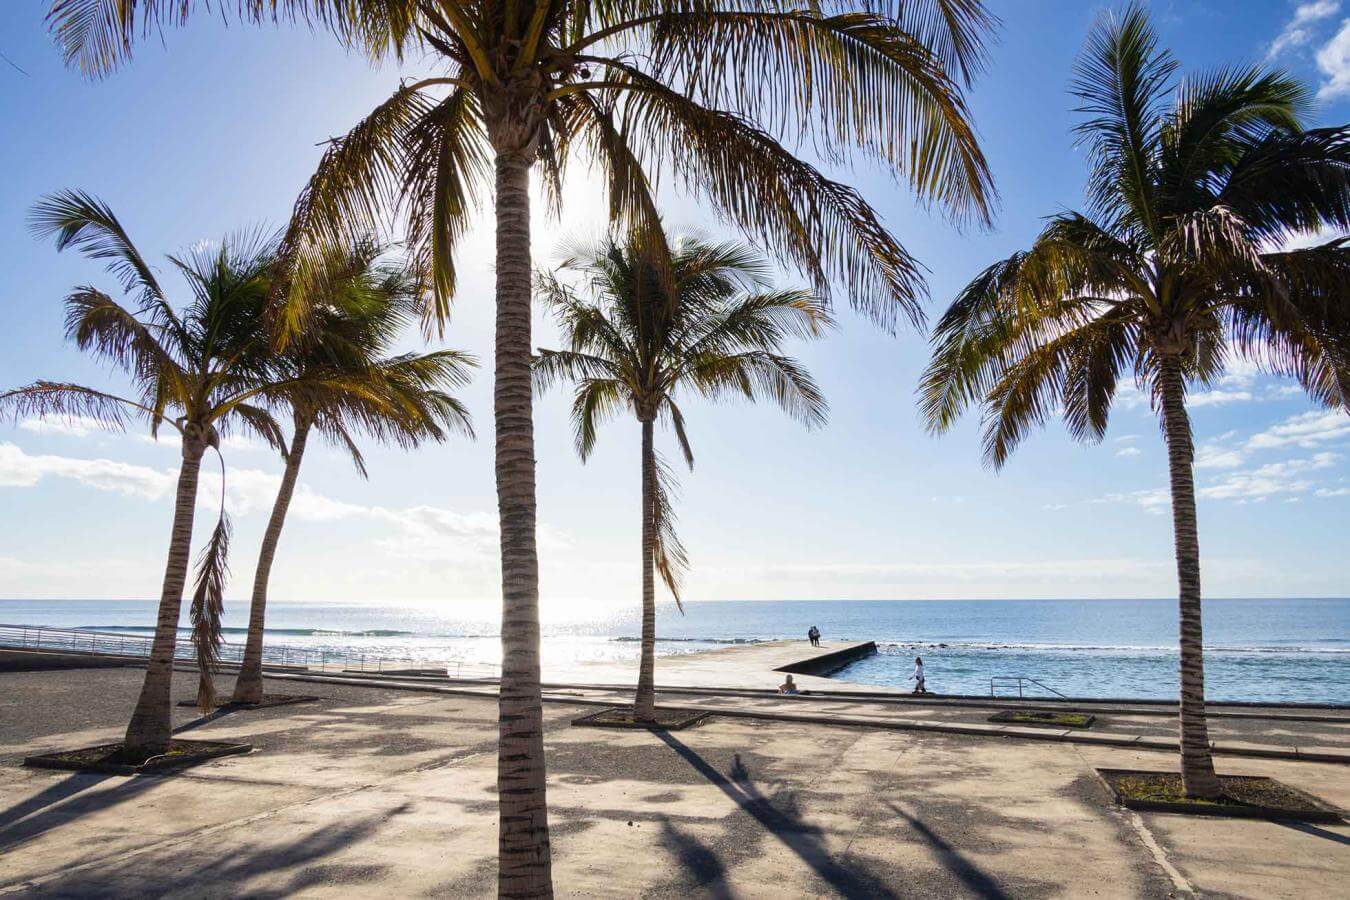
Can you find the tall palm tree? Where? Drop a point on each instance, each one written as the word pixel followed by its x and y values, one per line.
pixel 205 371
pixel 369 303
pixel 719 332
pixel 716 93
pixel 1173 270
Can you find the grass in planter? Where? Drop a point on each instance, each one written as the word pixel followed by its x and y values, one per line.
pixel 266 701
pixel 1034 717
pixel 622 717
pixel 1240 794
pixel 117 759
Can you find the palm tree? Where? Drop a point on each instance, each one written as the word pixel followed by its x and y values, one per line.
pixel 205 372
pixel 718 333
pixel 1173 270
pixel 369 303
pixel 712 92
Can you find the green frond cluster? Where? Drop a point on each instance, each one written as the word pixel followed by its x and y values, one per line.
pixel 633 346
pixel 719 94
pixel 1193 189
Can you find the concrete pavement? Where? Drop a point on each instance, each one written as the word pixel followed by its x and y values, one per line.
pixel 377 791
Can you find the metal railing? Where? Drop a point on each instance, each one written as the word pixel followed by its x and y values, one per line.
pixel 80 640
pixel 1020 681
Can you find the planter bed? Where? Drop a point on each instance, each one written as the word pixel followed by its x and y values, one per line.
pixel 112 759
pixel 667 719
pixel 1043 719
pixel 267 700
pixel 1244 796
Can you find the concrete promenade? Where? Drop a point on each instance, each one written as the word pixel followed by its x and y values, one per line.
pixel 374 790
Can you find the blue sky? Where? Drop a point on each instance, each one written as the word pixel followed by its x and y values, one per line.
pixel 218 128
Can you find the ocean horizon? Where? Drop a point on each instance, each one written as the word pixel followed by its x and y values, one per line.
pixel 1262 649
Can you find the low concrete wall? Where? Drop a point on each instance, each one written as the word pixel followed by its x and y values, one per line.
pixel 37 660
pixel 829 663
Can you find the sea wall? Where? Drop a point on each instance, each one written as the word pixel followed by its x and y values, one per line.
pixel 829 663
pixel 36 660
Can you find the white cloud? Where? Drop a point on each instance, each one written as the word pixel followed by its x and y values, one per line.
pixel 1333 492
pixel 1334 62
pixel 1288 477
pixel 1213 456
pixel 1297 32
pixel 1218 398
pixel 74 426
pixel 1129 451
pixel 20 469
pixel 418 532
pixel 1307 430
pixel 1153 500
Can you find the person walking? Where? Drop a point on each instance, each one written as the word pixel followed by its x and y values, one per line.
pixel 917 677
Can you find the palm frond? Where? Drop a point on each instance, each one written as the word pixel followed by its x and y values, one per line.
pixel 70 402
pixel 208 599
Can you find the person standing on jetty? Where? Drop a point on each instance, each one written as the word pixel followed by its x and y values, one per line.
pixel 813 635
pixel 917 677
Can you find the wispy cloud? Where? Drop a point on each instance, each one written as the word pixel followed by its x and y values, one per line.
pixel 1287 477
pixel 1298 31
pixel 1129 451
pixel 420 532
pixel 20 469
pixel 1308 431
pixel 1334 62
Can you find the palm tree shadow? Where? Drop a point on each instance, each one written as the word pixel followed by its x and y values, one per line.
pixel 302 858
pixel 61 803
pixel 703 864
pixel 1314 830
pixel 785 823
pixel 952 859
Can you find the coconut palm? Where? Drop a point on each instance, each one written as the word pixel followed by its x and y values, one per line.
pixel 714 93
pixel 718 333
pixel 369 303
pixel 1174 269
pixel 206 371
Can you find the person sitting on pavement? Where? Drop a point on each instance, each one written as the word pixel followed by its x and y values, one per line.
pixel 788 687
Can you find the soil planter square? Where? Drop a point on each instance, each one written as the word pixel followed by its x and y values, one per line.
pixel 1043 719
pixel 622 717
pixel 113 759
pixel 267 700
pixel 1244 796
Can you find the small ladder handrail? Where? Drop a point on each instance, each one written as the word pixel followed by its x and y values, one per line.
pixel 1020 680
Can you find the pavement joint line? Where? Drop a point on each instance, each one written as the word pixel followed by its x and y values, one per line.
pixel 968 730
pixel 1159 855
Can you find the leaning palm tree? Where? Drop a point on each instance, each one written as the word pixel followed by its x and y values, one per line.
pixel 718 333
pixel 205 371
pixel 713 93
pixel 1174 269
pixel 369 302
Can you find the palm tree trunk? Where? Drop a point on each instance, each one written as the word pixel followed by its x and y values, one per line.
pixel 248 688
pixel 523 858
pixel 152 721
pixel 1197 763
pixel 644 705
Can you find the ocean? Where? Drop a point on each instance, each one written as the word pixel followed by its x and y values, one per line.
pixel 1270 650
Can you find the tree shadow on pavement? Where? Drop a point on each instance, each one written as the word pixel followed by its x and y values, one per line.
pixel 785 823
pixel 952 859
pixel 699 861
pixel 203 870
pixel 63 802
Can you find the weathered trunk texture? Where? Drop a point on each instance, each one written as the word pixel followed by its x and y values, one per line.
pixel 1197 763
pixel 151 723
pixel 248 688
pixel 644 705
pixel 524 864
